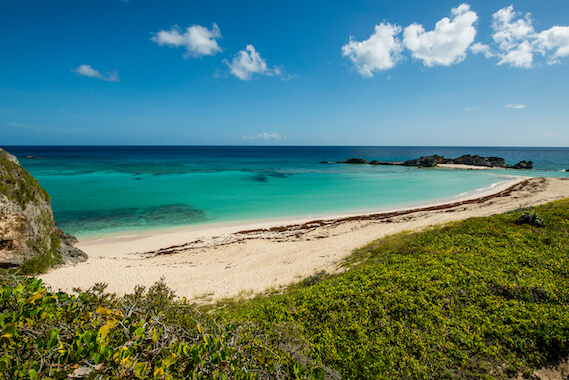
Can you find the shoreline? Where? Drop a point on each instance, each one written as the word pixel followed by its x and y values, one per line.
pixel 155 240
pixel 228 261
pixel 247 224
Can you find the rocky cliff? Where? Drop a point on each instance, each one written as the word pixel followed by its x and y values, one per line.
pixel 28 236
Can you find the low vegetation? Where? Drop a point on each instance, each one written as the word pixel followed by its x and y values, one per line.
pixel 144 335
pixel 19 185
pixel 44 259
pixel 483 298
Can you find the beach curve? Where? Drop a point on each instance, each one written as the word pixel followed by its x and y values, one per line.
pixel 228 261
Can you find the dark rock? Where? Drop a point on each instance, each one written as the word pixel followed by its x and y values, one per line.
pixel 467 159
pixel 477 160
pixel 353 161
pixel 425 161
pixel 69 254
pixel 66 238
pixel 522 165
pixel 432 161
pixel 385 163
pixel 375 162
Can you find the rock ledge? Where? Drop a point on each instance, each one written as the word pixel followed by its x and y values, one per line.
pixel 27 231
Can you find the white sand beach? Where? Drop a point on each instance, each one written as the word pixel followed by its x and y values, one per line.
pixel 227 261
pixel 467 167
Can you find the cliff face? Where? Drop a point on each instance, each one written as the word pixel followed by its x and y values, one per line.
pixel 28 236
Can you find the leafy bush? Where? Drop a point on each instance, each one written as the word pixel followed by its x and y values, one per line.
pixel 482 298
pixel 142 335
pixel 45 258
pixel 530 218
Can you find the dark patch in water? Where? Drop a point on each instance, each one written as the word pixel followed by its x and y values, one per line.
pixel 77 222
pixel 178 213
pixel 262 177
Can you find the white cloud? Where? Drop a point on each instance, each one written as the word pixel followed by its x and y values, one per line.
pixel 514 35
pixel 556 38
pixel 515 106
pixel 248 62
pixel 473 108
pixel 266 136
pixel 517 41
pixel 509 31
pixel 88 71
pixel 447 43
pixel 381 51
pixel 479 48
pixel 521 56
pixel 197 40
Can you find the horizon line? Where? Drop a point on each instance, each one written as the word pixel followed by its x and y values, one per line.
pixel 282 146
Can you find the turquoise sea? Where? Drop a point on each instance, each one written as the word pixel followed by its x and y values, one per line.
pixel 100 190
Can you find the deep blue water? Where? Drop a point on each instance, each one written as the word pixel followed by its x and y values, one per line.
pixel 112 189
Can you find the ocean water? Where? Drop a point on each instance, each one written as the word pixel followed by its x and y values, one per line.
pixel 98 191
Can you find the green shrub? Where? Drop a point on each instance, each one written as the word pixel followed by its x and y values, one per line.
pixel 530 218
pixel 315 278
pixel 482 298
pixel 147 334
pixel 44 259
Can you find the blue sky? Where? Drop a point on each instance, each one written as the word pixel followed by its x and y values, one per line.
pixel 478 73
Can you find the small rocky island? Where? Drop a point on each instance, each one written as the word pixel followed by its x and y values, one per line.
pixel 433 161
pixel 28 235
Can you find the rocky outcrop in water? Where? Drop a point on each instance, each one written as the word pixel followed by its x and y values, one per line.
pixel 467 159
pixel 425 161
pixel 522 165
pixel 28 236
pixel 353 161
pixel 432 161
pixel 476 160
pixel 375 162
